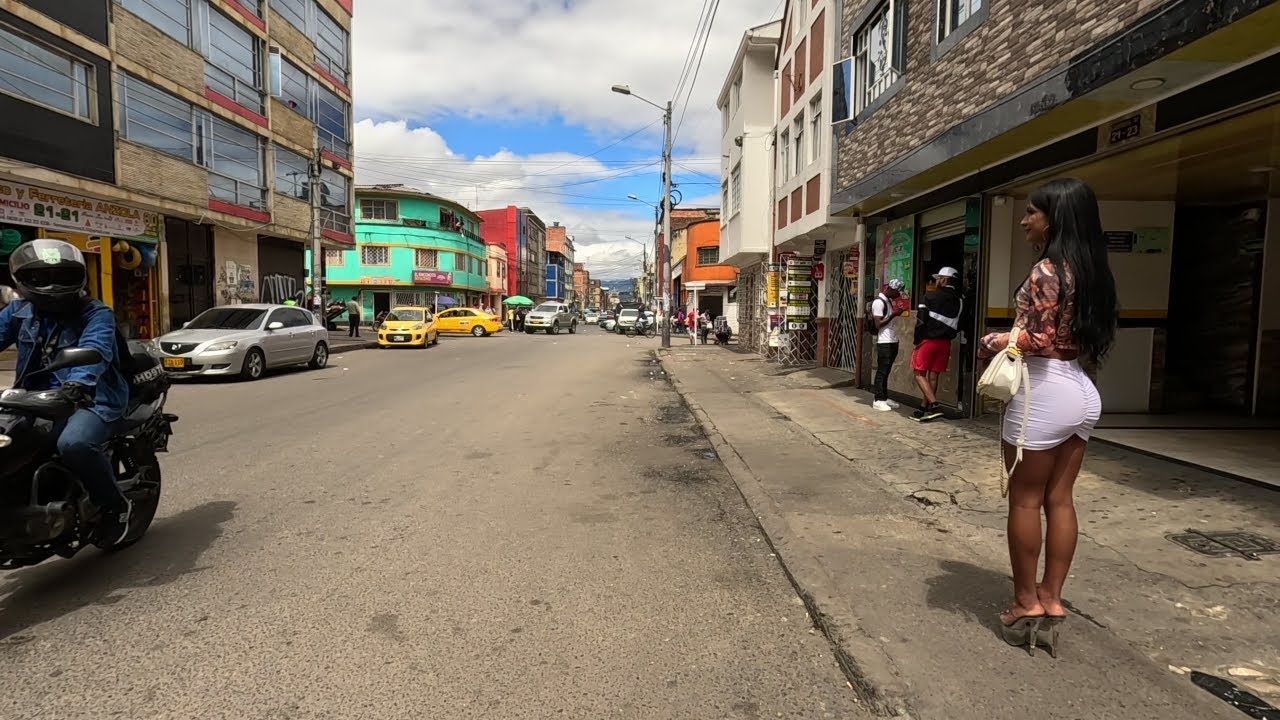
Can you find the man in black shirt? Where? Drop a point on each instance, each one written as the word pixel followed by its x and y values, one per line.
pixel 937 324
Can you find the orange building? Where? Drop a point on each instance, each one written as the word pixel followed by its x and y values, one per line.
pixel 704 282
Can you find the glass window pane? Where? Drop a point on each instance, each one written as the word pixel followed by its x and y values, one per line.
pixel 42 75
pixel 295 11
pixel 235 62
pixel 173 17
pixel 331 118
pixel 293 88
pixel 154 118
pixel 290 173
pixel 331 45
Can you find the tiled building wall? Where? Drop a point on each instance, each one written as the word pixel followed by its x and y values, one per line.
pixel 1018 42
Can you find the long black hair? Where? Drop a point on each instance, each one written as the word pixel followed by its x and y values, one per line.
pixel 1075 242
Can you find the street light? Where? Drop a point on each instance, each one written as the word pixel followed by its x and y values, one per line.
pixel 666 202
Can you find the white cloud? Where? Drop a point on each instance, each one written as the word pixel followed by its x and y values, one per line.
pixel 541 58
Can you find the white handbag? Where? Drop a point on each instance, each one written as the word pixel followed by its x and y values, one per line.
pixel 1002 379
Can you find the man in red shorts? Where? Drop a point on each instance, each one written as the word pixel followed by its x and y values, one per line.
pixel 937 324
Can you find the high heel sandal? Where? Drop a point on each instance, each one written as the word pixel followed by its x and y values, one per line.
pixel 1022 632
pixel 1047 633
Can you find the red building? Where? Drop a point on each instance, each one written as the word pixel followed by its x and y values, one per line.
pixel 501 227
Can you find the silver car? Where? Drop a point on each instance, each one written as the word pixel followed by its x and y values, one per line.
pixel 551 317
pixel 243 340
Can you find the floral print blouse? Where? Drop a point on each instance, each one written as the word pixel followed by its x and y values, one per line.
pixel 1045 321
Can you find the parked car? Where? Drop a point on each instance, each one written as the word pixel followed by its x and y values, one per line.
pixel 627 318
pixel 607 320
pixel 244 340
pixel 591 316
pixel 468 321
pixel 551 317
pixel 408 327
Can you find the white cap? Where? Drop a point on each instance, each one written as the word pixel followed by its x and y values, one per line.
pixel 947 272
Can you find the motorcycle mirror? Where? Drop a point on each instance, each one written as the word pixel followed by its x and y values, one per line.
pixel 275 325
pixel 74 357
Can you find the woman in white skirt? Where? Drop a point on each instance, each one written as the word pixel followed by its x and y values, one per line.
pixel 1066 309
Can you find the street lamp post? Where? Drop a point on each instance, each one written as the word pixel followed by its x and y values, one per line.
pixel 644 264
pixel 666 206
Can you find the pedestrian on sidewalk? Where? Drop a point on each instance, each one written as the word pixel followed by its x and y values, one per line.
pixel 937 324
pixel 883 313
pixel 353 316
pixel 1066 308
pixel 704 326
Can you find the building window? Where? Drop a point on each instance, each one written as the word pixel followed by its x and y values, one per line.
pixel 375 255
pixel 234 158
pixel 235 61
pixel 879 53
pixel 331 45
pixel 334 258
pixel 331 118
pixel 295 89
pixel 784 149
pixel 425 259
pixel 295 11
pixel 156 119
pixel 735 189
pixel 450 220
pixel 41 75
pixel 708 255
pixel 291 173
pixel 173 17
pixel 253 6
pixel 816 131
pixel 954 13
pixel 798 131
pixel 724 201
pixel 735 95
pixel 335 201
pixel 403 298
pixel 379 210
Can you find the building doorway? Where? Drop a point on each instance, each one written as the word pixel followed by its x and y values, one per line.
pixel 381 303
pixel 190 259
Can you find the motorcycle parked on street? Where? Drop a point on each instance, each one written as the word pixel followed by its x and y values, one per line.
pixel 44 510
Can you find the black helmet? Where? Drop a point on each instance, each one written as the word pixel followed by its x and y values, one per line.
pixel 49 273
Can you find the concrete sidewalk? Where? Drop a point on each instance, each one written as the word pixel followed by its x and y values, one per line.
pixel 893 532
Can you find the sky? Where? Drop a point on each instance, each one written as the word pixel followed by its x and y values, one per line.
pixel 497 102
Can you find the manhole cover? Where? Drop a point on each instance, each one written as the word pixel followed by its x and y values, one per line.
pixel 1226 543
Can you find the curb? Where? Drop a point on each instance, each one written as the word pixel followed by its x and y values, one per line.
pixel 867 668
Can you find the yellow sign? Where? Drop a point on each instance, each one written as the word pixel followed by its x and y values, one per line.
pixel 773 285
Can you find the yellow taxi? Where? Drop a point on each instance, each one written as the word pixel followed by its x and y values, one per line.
pixel 468 320
pixel 408 327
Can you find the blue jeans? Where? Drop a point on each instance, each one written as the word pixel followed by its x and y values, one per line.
pixel 82 445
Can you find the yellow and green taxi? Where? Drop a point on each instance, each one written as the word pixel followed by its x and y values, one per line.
pixel 408 327
pixel 468 320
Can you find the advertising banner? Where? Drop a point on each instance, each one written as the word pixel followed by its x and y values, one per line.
pixel 34 206
pixel 432 277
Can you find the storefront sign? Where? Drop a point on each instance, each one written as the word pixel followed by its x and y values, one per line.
pixel 34 206
pixel 432 277
pixel 1153 240
pixel 1120 241
pixel 819 271
pixel 378 280
pixel 773 284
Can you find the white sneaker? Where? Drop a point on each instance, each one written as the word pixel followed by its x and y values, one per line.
pixel 881 405
pixel 893 404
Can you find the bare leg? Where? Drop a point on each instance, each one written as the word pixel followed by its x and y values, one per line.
pixel 933 384
pixel 1063 530
pixel 1026 495
pixel 922 381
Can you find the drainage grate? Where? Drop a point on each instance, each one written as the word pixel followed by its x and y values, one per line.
pixel 1249 546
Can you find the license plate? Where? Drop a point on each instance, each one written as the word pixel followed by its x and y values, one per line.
pixel 175 363
pixel 399 338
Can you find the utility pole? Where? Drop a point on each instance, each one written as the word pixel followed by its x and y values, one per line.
pixel 313 194
pixel 666 224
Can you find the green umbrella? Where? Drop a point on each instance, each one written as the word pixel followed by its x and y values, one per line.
pixel 517 300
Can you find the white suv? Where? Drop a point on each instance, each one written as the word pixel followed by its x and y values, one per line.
pixel 551 317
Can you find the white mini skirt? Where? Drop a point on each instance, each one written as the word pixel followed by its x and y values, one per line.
pixel 1064 402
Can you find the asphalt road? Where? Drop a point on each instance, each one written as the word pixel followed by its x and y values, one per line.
pixel 508 527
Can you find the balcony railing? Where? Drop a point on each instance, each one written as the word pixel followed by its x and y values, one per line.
pixel 413 222
pixel 336 221
pixel 236 192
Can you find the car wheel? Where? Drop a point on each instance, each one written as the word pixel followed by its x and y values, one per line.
pixel 435 339
pixel 478 331
pixel 573 329
pixel 320 358
pixel 530 331
pixel 255 365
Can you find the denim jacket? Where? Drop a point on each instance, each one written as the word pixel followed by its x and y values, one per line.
pixel 21 324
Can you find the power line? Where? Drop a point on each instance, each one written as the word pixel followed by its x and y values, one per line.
pixel 697 68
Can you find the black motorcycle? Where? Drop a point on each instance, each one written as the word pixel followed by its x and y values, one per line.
pixel 44 510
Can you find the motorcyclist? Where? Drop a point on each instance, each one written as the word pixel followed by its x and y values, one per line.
pixel 55 313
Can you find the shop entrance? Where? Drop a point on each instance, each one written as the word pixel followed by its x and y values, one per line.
pixel 712 302
pixel 381 303
pixel 190 258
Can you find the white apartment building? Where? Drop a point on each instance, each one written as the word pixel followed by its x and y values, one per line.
pixel 746 148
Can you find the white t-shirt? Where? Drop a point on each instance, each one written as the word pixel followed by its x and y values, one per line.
pixel 881 309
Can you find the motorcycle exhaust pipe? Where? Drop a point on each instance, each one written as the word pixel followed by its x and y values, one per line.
pixel 38 524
